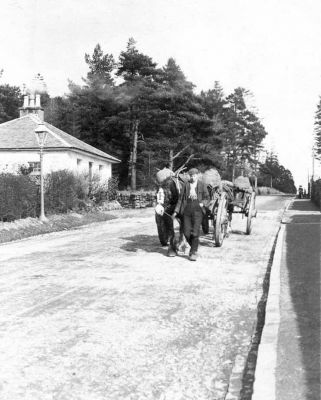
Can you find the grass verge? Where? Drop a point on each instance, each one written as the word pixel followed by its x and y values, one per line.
pixel 27 227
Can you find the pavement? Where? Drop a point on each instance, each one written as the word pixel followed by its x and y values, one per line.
pixel 288 365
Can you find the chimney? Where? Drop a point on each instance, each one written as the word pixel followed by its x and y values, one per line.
pixel 38 101
pixel 25 101
pixel 31 105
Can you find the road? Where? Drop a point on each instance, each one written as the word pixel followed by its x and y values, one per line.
pixel 100 312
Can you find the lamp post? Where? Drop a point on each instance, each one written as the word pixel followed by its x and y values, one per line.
pixel 41 134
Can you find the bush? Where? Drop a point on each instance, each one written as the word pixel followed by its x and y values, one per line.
pixel 112 189
pixel 64 191
pixel 103 191
pixel 68 191
pixel 19 197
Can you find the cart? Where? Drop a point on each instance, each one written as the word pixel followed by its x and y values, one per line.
pixel 244 203
pixel 217 212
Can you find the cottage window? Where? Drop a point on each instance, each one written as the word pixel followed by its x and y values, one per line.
pixel 101 167
pixel 90 165
pixel 35 165
pixel 79 160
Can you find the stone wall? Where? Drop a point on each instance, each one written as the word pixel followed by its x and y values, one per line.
pixel 136 199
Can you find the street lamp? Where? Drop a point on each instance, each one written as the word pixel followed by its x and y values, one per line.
pixel 41 134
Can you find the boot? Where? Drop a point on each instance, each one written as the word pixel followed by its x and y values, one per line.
pixel 192 257
pixel 171 252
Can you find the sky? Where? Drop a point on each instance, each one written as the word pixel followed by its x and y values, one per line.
pixel 270 47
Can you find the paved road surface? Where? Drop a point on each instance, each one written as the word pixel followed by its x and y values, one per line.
pixel 298 362
pixel 289 355
pixel 101 313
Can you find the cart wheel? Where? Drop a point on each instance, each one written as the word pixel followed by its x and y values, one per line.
pixel 161 229
pixel 251 214
pixel 221 221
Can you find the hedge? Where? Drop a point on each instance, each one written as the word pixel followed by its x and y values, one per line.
pixel 19 197
pixel 64 191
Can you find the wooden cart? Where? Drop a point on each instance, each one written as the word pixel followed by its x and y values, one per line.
pixel 244 203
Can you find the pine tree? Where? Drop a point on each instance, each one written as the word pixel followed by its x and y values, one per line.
pixel 139 74
pixel 10 101
pixel 101 68
pixel 243 133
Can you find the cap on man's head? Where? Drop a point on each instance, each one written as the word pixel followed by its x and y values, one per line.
pixel 193 171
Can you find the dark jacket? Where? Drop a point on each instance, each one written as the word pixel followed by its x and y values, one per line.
pixel 202 197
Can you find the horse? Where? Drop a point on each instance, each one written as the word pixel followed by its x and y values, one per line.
pixel 167 197
pixel 173 184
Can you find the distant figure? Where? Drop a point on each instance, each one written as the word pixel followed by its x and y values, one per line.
pixel 300 192
pixel 304 194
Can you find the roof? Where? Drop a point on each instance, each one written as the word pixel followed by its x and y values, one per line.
pixel 19 134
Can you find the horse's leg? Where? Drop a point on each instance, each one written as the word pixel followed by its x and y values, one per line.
pixel 229 223
pixel 171 252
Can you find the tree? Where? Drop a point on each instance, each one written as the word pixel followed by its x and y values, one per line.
pixel 174 116
pixel 150 116
pixel 138 72
pixel 214 104
pixel 101 68
pixel 10 101
pixel 88 106
pixel 134 65
pixel 243 132
pixel 273 174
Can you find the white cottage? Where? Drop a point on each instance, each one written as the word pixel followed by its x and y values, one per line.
pixel 19 146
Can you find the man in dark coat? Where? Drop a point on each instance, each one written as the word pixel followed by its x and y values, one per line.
pixel 191 204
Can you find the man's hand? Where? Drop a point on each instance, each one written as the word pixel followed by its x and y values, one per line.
pixel 159 209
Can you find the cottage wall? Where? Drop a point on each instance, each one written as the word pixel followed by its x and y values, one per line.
pixel 55 160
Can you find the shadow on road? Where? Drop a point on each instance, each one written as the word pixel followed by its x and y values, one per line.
pixel 148 243
pixel 238 232
pixel 303 205
pixel 301 311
